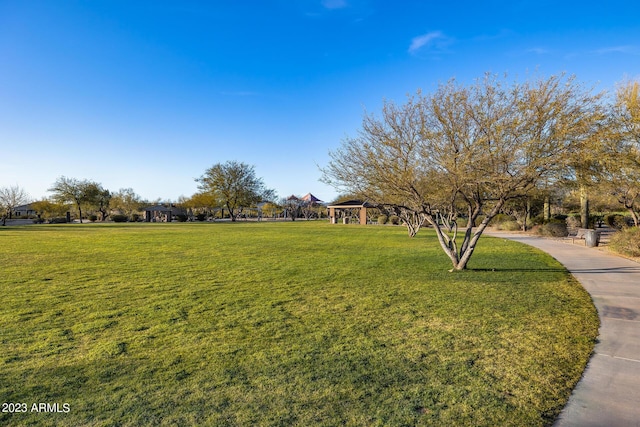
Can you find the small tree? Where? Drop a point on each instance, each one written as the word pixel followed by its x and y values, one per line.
pixel 292 206
pixel 76 192
pixel 234 185
pixel 98 198
pixel 10 198
pixel 49 209
pixel 472 147
pixel 126 202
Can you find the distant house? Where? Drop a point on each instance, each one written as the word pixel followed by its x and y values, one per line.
pixel 23 211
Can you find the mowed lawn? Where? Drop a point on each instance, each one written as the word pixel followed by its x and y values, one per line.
pixel 283 324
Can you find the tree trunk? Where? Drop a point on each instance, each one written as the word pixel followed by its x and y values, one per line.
pixel 547 208
pixel 527 215
pixel 448 243
pixel 584 206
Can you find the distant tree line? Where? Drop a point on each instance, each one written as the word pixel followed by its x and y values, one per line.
pixel 226 190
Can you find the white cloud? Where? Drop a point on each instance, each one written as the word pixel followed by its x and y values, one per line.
pixel 617 49
pixel 430 39
pixel 538 51
pixel 334 4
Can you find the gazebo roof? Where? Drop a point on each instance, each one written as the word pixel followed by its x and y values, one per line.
pixel 161 208
pixel 310 198
pixel 352 204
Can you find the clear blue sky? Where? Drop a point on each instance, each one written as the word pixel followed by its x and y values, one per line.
pixel 148 94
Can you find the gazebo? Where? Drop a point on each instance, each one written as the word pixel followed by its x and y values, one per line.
pixel 161 213
pixel 349 205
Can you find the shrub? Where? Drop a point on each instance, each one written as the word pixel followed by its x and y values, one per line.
pixel 394 219
pixel 509 226
pixel 616 221
pixel 498 219
pixel 201 217
pixel 462 222
pixel 626 242
pixel 182 218
pixel 119 218
pixel 553 229
pixel 383 219
pixel 93 218
pixel 58 220
pixel 537 220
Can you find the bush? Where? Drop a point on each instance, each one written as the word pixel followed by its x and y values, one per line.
pixel 626 242
pixel 509 226
pixel 462 222
pixel 383 219
pixel 201 217
pixel 93 218
pixel 119 218
pixel 498 219
pixel 616 221
pixel 58 220
pixel 394 219
pixel 537 220
pixel 182 218
pixel 553 229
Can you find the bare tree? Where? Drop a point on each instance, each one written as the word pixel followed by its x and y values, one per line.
pixel 10 198
pixel 472 147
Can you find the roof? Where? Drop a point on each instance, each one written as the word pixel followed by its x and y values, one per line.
pixel 352 204
pixel 161 208
pixel 310 198
pixel 23 207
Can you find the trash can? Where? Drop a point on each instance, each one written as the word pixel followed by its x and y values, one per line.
pixel 591 238
pixel 345 220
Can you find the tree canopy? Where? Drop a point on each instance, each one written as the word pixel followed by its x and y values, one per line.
pixel 465 150
pixel 234 185
pixel 79 193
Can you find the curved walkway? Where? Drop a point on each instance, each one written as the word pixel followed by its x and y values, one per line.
pixel 609 392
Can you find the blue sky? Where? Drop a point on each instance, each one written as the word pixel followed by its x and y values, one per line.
pixel 149 94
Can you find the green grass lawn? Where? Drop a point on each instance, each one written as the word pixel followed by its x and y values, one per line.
pixel 283 324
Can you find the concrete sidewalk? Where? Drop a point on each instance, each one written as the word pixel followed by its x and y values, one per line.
pixel 609 392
